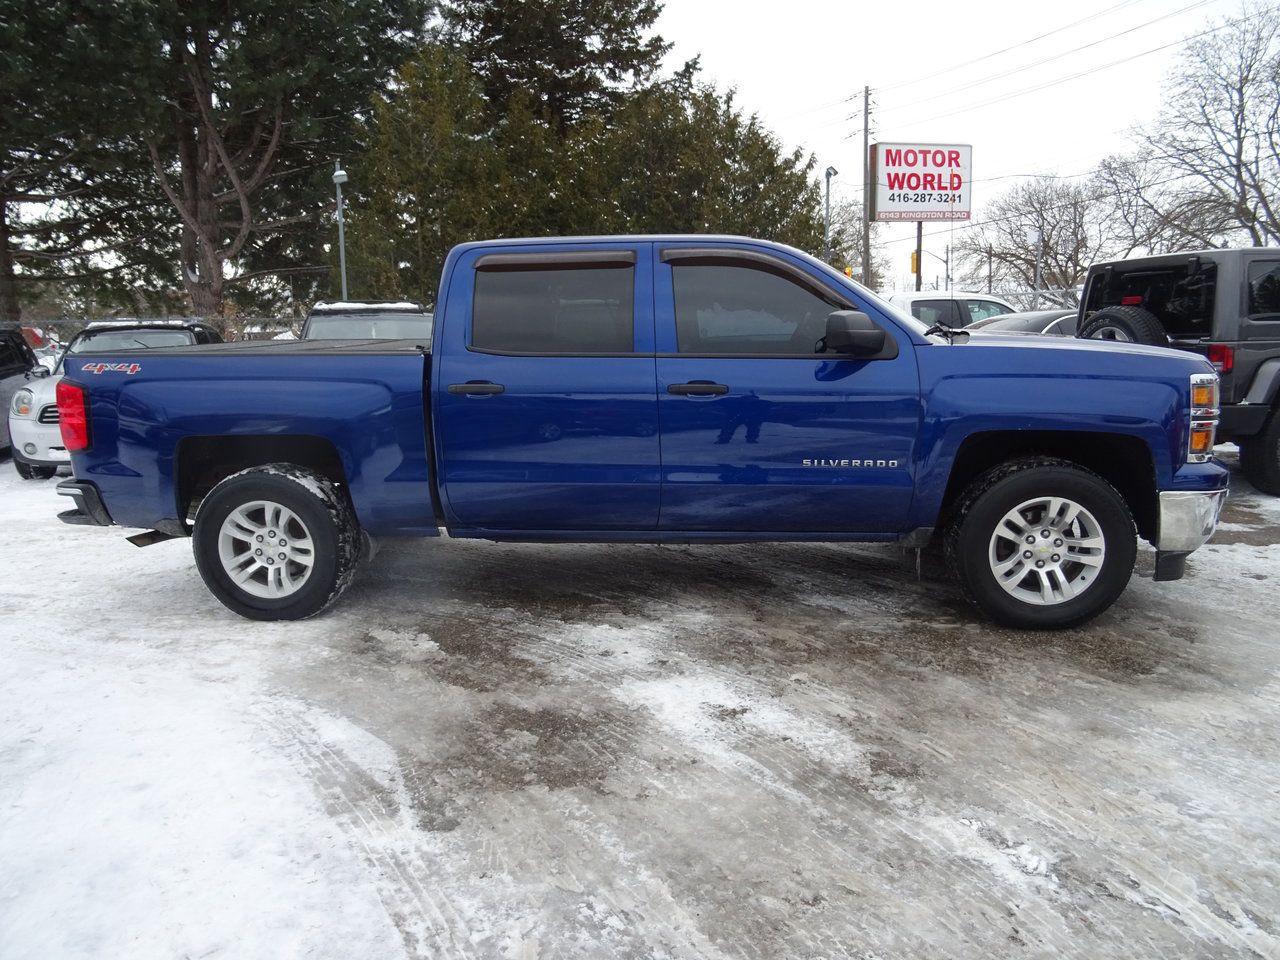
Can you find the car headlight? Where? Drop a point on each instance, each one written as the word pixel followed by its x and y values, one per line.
pixel 23 403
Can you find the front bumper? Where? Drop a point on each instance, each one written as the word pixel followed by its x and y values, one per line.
pixel 1187 521
pixel 39 444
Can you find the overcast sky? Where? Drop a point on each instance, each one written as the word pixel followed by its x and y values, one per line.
pixel 801 65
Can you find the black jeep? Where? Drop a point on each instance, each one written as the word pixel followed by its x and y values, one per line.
pixel 1224 304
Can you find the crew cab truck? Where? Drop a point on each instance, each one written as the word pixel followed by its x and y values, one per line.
pixel 1221 304
pixel 687 389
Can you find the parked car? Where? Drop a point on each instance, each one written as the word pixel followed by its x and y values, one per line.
pixel 1051 323
pixel 17 363
pixel 38 450
pixel 367 320
pixel 951 308
pixel 706 389
pixel 1220 304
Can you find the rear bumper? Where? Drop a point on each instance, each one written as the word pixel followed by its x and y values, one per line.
pixel 1187 520
pixel 89 509
pixel 1242 420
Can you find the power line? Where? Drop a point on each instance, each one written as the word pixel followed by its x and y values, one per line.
pixel 1093 70
pixel 969 224
pixel 995 53
pixel 1057 56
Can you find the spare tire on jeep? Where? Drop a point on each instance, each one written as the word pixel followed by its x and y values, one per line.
pixel 1124 325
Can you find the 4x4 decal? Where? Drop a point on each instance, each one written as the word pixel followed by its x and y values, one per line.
pixel 129 368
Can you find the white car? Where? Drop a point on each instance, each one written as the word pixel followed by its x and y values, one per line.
pixel 951 308
pixel 34 434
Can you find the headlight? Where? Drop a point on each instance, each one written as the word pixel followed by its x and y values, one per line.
pixel 23 402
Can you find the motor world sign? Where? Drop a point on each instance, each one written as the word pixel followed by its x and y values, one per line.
pixel 922 181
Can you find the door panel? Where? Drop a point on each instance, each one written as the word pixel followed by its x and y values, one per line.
pixel 569 441
pixel 793 442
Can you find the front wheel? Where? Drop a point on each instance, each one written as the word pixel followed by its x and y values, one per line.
pixel 1042 544
pixel 276 542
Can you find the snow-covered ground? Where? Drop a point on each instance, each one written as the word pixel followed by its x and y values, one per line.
pixel 592 751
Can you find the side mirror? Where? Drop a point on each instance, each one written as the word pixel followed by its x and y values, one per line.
pixel 44 367
pixel 853 332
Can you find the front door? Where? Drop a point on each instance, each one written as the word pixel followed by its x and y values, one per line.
pixel 761 432
pixel 545 401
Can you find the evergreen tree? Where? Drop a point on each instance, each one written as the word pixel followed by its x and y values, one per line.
pixel 73 208
pixel 570 56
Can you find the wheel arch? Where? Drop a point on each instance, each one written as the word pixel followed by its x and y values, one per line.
pixel 1122 460
pixel 202 462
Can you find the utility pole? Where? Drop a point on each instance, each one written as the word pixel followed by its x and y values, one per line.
pixel 919 253
pixel 1035 286
pixel 826 219
pixel 946 264
pixel 339 178
pixel 867 185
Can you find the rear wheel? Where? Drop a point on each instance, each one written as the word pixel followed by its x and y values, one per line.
pixel 276 542
pixel 1042 544
pixel 1125 325
pixel 1260 457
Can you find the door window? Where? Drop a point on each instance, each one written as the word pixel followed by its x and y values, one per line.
pixel 1264 287
pixel 981 309
pixel 554 310
pixel 740 310
pixel 945 312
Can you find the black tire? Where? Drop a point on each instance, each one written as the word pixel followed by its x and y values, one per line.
pixel 986 501
pixel 329 519
pixel 1260 457
pixel 1125 324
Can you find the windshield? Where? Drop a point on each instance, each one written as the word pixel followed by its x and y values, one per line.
pixel 368 325
pixel 100 340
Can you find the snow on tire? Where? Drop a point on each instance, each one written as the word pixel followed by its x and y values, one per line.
pixel 277 542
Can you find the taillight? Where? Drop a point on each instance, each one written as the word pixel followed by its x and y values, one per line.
pixel 1222 356
pixel 1131 301
pixel 73 416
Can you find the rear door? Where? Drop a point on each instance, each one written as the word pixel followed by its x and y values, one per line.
pixel 760 432
pixel 545 403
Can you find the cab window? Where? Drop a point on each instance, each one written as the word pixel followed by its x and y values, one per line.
pixel 982 309
pixel 557 310
pixel 746 310
pixel 945 312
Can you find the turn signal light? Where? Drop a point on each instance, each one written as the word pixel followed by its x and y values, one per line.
pixel 1201 442
pixel 73 416
pixel 1204 395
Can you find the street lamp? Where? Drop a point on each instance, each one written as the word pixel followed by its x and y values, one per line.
pixel 826 220
pixel 339 178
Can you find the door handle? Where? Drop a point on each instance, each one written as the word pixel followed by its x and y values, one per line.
pixel 477 388
pixel 698 388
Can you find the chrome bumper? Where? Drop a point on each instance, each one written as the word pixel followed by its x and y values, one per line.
pixel 1188 518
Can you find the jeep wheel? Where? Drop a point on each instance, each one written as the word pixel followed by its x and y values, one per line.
pixel 1041 544
pixel 1260 457
pixel 276 542
pixel 1125 325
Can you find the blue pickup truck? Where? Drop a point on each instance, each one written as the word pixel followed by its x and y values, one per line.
pixel 657 389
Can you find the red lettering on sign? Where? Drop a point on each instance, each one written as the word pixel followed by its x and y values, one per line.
pixel 913 181
pixel 953 158
pixel 895 180
pixel 929 181
pixel 893 158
